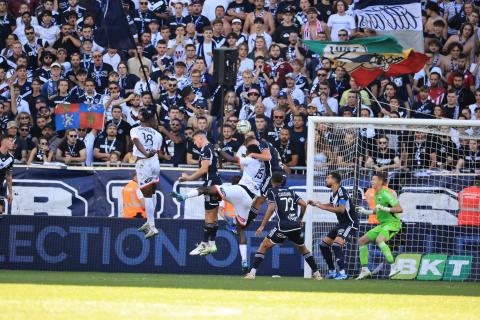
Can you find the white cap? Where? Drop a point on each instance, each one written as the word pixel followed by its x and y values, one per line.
pixel 236 20
pixel 437 70
pixel 55 64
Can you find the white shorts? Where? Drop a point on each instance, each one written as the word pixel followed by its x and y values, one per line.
pixel 239 198
pixel 148 171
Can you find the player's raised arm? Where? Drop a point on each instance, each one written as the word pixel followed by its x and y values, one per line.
pixel 327 206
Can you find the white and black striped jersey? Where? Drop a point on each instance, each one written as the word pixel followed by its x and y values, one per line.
pixel 341 197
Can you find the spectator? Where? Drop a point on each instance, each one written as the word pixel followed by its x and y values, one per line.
pixel 423 107
pixel 326 104
pixel 20 147
pixel 340 20
pixel 451 109
pixel 299 137
pixel 287 150
pixel 40 154
pixel 71 150
pixel 471 158
pixel 108 143
pixel 383 158
pixel 229 145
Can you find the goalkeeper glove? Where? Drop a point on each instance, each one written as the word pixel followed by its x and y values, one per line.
pixel 364 211
pixel 382 208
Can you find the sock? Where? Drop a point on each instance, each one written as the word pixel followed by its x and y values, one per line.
pixel 363 255
pixel 386 251
pixel 339 257
pixel 213 232
pixel 311 262
pixel 149 208
pixel 257 261
pixel 253 271
pixel 327 255
pixel 206 233
pixel 191 194
pixel 243 251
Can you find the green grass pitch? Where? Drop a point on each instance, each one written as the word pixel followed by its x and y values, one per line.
pixel 76 295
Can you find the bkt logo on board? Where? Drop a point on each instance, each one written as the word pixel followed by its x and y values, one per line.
pixel 46 198
pixel 433 267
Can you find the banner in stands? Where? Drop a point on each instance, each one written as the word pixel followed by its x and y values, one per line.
pixel 80 192
pixel 115 245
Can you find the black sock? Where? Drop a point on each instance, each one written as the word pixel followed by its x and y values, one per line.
pixel 206 232
pixel 213 231
pixel 258 260
pixel 339 257
pixel 327 255
pixel 311 262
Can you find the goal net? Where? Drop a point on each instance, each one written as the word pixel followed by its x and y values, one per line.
pixel 433 168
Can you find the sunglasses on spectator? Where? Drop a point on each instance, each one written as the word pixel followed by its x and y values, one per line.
pixel 29 33
pixel 24 129
pixel 24 117
pixel 43 143
pixel 72 136
pixel 383 142
pixel 342 34
pixel 321 74
pixel 278 117
pixel 81 130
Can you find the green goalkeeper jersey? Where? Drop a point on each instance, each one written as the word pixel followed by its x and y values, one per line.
pixel 386 199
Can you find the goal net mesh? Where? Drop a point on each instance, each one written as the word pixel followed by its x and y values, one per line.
pixel 433 169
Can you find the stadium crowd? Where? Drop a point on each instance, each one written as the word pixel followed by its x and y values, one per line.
pixel 49 56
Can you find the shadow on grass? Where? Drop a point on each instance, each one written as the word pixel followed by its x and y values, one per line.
pixel 237 283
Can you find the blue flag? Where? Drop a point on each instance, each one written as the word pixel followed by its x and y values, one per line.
pixel 113 30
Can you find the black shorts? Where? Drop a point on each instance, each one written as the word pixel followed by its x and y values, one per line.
pixel 295 236
pixel 212 202
pixel 344 230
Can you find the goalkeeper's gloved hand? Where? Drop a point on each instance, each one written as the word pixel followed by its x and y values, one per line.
pixel 362 210
pixel 382 208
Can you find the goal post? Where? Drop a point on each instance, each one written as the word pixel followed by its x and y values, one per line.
pixel 433 168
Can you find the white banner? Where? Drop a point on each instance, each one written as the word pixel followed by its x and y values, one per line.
pixel 397 18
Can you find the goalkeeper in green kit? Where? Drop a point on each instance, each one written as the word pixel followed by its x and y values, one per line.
pixel 387 209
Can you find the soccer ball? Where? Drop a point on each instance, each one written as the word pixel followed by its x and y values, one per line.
pixel 243 126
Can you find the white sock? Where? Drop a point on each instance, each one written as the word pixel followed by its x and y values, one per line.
pixel 243 251
pixel 191 194
pixel 149 208
pixel 211 242
pixel 365 269
pixel 253 271
pixel 342 272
